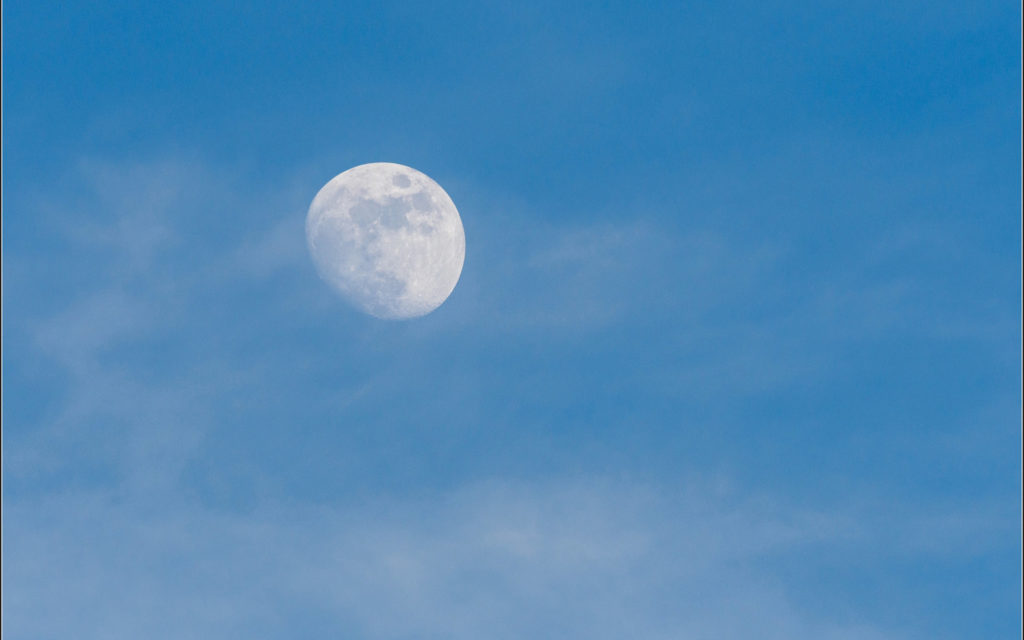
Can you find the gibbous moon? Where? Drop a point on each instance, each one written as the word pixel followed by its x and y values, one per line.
pixel 388 238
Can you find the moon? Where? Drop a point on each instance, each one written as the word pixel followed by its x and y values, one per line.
pixel 388 239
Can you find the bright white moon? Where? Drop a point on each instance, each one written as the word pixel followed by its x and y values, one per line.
pixel 388 238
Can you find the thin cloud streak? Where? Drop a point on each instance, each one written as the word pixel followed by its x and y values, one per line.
pixel 590 557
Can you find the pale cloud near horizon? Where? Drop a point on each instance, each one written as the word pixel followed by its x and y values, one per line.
pixel 586 557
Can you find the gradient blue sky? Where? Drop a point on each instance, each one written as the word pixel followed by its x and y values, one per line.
pixel 735 352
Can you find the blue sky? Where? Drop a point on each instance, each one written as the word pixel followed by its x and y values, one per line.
pixel 735 351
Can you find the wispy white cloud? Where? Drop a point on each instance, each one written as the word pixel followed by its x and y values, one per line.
pixel 589 557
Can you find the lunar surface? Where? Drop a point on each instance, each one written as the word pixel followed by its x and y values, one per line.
pixel 388 238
